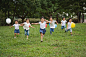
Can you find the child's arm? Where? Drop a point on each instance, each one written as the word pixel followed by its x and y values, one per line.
pixel 32 27
pixel 57 22
pixel 11 26
pixel 67 26
pixel 21 24
pixel 46 21
pixel 35 23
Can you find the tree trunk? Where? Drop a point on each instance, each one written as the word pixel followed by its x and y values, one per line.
pixel 57 17
pixel 8 14
pixel 79 16
pixel 22 20
pixel 82 18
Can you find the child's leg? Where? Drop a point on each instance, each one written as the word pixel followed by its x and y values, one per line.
pixel 71 31
pixel 17 33
pixel 27 33
pixel 62 27
pixel 41 37
pixel 50 30
pixel 14 35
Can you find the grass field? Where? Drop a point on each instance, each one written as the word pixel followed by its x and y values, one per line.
pixel 59 44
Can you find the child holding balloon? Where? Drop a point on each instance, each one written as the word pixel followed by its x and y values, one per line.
pixel 69 28
pixel 42 27
pixel 26 26
pixel 52 25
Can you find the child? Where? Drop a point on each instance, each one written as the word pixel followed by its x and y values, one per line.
pixel 16 28
pixel 42 27
pixel 52 25
pixel 63 23
pixel 69 26
pixel 26 27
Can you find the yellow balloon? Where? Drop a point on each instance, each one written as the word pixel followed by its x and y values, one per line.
pixel 72 25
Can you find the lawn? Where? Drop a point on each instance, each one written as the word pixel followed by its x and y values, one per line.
pixel 59 44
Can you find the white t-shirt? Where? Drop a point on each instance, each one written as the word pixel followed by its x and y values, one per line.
pixel 26 25
pixel 69 25
pixel 52 25
pixel 42 25
pixel 63 22
pixel 16 26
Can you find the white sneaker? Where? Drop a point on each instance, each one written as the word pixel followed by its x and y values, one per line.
pixel 27 38
pixel 14 37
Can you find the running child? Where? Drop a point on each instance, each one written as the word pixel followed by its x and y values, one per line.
pixel 52 25
pixel 63 23
pixel 42 27
pixel 16 31
pixel 26 27
pixel 69 26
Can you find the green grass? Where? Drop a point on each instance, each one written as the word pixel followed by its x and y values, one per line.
pixel 59 44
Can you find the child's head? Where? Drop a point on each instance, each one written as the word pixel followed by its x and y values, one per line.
pixel 70 19
pixel 51 18
pixel 27 20
pixel 16 21
pixel 42 19
pixel 63 18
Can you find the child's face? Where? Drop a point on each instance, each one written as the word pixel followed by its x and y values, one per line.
pixel 42 20
pixel 16 22
pixel 63 18
pixel 27 21
pixel 50 19
pixel 70 20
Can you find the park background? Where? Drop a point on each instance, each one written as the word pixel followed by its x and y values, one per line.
pixel 34 9
pixel 59 44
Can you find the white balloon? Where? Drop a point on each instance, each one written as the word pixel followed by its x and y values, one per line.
pixel 8 20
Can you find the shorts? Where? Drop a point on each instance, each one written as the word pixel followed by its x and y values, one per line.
pixel 16 31
pixel 70 30
pixel 26 32
pixel 42 31
pixel 62 27
pixel 51 29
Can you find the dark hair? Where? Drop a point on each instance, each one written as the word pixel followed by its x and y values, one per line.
pixel 63 17
pixel 69 19
pixel 16 20
pixel 42 17
pixel 27 19
pixel 50 16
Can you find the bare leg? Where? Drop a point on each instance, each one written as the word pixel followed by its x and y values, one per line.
pixel 27 36
pixel 41 37
pixel 14 35
pixel 17 33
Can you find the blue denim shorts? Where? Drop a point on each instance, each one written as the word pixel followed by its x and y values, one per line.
pixel 16 31
pixel 62 27
pixel 42 31
pixel 51 29
pixel 26 32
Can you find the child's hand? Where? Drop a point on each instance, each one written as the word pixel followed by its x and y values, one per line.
pixel 31 23
pixel 9 27
pixel 33 27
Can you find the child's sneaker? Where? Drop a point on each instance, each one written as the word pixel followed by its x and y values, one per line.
pixel 41 41
pixel 14 37
pixel 27 38
pixel 71 35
